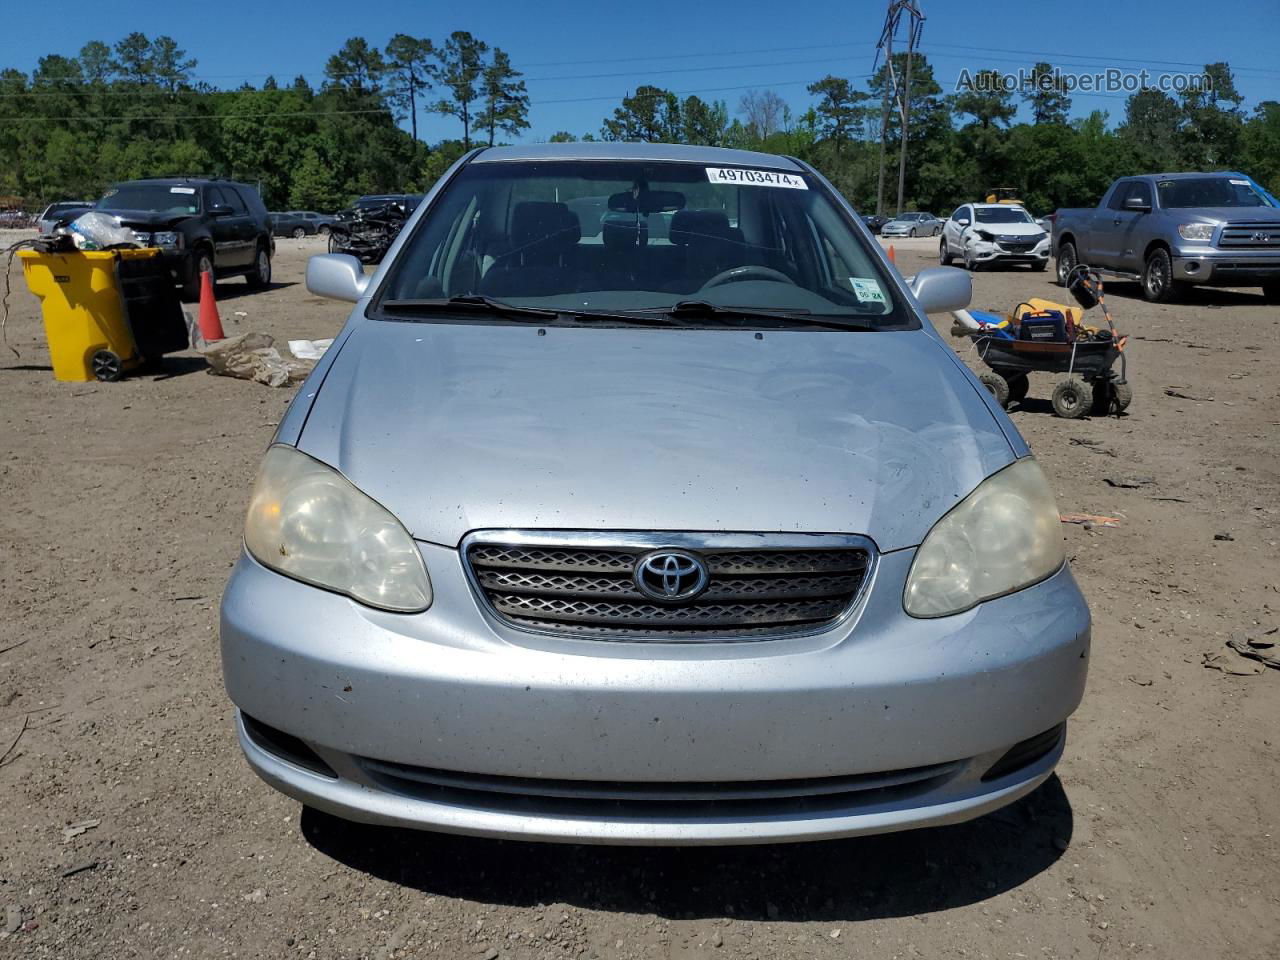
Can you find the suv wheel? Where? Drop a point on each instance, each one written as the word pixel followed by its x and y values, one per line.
pixel 1066 262
pixel 260 276
pixel 1158 285
pixel 203 264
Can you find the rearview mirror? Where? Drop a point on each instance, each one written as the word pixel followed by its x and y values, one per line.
pixel 338 276
pixel 942 289
pixel 648 201
pixel 1137 204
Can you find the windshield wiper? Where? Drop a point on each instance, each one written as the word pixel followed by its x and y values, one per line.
pixel 470 303
pixel 499 308
pixel 704 309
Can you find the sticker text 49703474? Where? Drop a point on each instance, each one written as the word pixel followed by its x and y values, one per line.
pixel 756 178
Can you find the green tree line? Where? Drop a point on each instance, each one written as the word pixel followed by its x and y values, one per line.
pixel 74 125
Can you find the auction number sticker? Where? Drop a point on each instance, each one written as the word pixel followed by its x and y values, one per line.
pixel 182 189
pixel 756 178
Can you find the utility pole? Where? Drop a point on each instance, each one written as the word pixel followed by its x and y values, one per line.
pixel 901 95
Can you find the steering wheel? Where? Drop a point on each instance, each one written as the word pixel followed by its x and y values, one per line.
pixel 748 272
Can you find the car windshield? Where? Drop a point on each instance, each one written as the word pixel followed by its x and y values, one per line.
pixel 156 197
pixel 1002 215
pixel 1209 192
pixel 577 235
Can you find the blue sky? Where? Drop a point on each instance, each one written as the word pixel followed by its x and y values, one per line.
pixel 579 58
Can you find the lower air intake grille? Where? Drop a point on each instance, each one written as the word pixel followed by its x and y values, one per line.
pixel 747 592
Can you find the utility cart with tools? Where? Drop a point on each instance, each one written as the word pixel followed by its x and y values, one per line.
pixel 1045 337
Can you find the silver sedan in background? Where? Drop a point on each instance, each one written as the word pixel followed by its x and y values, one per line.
pixel 912 225
pixel 588 531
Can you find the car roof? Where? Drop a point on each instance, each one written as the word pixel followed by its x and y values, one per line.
pixel 1189 176
pixel 590 150
pixel 997 206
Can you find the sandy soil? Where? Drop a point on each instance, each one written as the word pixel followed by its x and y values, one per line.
pixel 121 517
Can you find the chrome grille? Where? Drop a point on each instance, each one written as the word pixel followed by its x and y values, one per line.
pixel 757 585
pixel 1250 233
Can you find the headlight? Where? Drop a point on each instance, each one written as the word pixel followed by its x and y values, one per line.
pixel 1004 536
pixel 166 238
pixel 1196 231
pixel 308 522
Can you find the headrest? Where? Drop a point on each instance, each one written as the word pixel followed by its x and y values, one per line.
pixel 624 232
pixel 689 226
pixel 548 226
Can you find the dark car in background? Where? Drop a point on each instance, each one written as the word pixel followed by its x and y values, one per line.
pixel 875 221
pixel 321 221
pixel 200 225
pixel 367 229
pixel 291 225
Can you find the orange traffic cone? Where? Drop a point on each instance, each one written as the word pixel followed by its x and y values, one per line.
pixel 892 258
pixel 210 322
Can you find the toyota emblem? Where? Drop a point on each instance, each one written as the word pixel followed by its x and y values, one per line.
pixel 670 575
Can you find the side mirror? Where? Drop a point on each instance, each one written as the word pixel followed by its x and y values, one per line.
pixel 1138 205
pixel 963 221
pixel 942 289
pixel 338 276
pixel 220 210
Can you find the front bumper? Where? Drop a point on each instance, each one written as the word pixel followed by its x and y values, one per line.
pixel 470 716
pixel 984 252
pixel 1223 269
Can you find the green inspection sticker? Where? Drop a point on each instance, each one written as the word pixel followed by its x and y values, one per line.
pixel 867 291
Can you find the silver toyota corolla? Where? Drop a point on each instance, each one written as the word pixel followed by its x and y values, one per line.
pixel 638 502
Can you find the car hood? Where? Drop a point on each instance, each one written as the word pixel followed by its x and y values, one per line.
pixel 149 219
pixel 1010 229
pixel 457 427
pixel 1222 214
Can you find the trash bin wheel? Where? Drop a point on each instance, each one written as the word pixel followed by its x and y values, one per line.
pixel 1019 384
pixel 1071 398
pixel 107 366
pixel 998 386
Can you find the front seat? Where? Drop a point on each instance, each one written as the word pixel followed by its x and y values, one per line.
pixel 711 245
pixel 541 262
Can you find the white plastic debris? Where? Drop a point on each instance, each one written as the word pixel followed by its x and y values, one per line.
pixel 309 349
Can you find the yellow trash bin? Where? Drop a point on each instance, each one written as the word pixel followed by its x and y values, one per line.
pixel 85 320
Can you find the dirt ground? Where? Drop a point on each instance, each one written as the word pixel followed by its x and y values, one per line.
pixel 131 827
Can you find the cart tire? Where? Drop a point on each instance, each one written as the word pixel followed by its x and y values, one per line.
pixel 1066 262
pixel 1072 398
pixel 107 366
pixel 1123 394
pixel 998 386
pixel 1019 384
pixel 944 254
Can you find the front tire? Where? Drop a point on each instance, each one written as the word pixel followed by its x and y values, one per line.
pixel 1067 262
pixel 998 386
pixel 944 253
pixel 260 276
pixel 298 233
pixel 203 264
pixel 1071 398
pixel 323 230
pixel 912 233
pixel 1158 285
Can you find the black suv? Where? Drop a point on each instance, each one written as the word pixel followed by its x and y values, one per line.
pixel 200 224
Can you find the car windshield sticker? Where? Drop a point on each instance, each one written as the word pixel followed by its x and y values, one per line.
pixel 867 291
pixel 756 178
pixel 182 189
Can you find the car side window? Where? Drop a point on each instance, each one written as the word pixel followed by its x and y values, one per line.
pixel 235 201
pixel 213 197
pixel 1120 195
